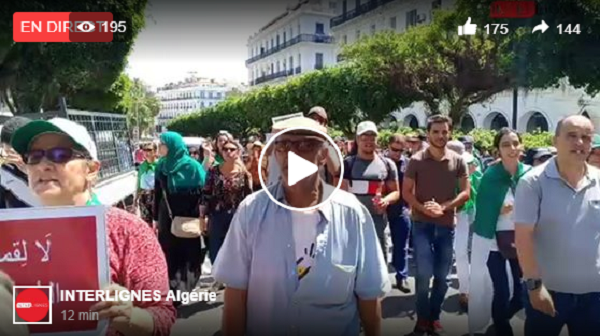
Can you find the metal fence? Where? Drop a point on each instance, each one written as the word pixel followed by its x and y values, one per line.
pixel 110 133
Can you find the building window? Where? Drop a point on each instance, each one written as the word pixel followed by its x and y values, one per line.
pixel 278 67
pixel 344 39
pixel 278 42
pixel 272 43
pixel 284 37
pixel 299 30
pixel 284 64
pixel 319 61
pixel 393 23
pixel 332 5
pixel 291 32
pixel 357 34
pixel 411 18
pixel 373 29
pixel 320 29
pixel 436 4
pixel 292 62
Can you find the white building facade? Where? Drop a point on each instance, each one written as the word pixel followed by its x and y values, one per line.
pixel 536 109
pixel 296 42
pixel 188 96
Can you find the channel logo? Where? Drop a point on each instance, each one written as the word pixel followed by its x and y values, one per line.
pixel 32 305
pixel 65 27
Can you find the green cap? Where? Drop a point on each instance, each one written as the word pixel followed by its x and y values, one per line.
pixel 25 135
pixel 596 141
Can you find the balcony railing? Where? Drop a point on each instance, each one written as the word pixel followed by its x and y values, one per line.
pixel 267 78
pixel 356 12
pixel 315 38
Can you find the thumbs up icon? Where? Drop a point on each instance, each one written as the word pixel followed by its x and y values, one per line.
pixel 468 28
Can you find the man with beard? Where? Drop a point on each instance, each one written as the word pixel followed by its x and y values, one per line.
pixel 14 189
pixel 372 178
pixel 430 188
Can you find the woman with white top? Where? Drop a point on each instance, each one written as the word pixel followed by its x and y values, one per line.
pixel 494 266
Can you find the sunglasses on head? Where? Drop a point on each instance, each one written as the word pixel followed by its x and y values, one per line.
pixel 148 150
pixel 303 146
pixel 55 155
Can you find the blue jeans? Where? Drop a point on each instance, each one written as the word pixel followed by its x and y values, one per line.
pixel 433 253
pixel 579 312
pixel 400 231
pixel 503 306
pixel 218 226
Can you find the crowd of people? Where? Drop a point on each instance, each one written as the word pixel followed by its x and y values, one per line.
pixel 522 226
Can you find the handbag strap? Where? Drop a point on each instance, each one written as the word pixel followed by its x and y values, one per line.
pixel 164 194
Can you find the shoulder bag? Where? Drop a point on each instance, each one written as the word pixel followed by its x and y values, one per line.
pixel 183 227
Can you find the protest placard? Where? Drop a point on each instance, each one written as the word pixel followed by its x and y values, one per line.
pixel 63 248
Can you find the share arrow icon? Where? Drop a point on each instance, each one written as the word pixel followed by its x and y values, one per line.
pixel 542 27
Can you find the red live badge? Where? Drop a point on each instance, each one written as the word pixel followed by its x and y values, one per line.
pixel 512 9
pixel 63 27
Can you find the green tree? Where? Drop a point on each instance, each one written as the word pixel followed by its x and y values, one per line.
pixel 542 60
pixel 35 75
pixel 142 106
pixel 435 65
pixel 347 93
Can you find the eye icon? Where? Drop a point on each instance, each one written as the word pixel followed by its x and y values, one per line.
pixel 86 27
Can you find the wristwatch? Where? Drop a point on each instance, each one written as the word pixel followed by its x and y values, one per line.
pixel 533 284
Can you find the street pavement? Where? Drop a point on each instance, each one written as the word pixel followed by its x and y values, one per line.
pixel 398 311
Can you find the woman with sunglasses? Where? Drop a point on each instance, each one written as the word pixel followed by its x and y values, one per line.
pixel 179 182
pixel 62 162
pixel 226 187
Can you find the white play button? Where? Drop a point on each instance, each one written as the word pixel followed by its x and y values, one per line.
pixel 298 168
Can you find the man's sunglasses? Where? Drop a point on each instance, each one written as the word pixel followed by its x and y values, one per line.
pixel 395 150
pixel 55 155
pixel 303 146
pixel 148 150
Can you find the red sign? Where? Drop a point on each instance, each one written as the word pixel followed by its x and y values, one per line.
pixel 64 248
pixel 65 27
pixel 512 9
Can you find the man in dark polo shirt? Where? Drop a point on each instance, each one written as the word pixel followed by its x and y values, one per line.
pixel 430 188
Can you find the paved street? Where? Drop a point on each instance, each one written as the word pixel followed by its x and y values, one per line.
pixel 398 313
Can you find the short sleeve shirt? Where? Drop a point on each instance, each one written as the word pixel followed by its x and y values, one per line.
pixel 435 181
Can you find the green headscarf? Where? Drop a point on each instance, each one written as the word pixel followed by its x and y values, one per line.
pixel 493 187
pixel 182 171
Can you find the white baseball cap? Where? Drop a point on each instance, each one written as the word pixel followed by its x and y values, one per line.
pixel 24 136
pixel 366 126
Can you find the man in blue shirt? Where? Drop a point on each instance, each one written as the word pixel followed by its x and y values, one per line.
pixel 399 216
pixel 317 272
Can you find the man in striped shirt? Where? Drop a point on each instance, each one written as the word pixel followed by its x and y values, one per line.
pixel 372 178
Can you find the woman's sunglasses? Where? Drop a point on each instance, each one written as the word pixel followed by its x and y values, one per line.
pixel 229 149
pixel 56 155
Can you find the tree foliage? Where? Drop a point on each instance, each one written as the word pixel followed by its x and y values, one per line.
pixel 435 65
pixel 346 92
pixel 542 60
pixel 34 75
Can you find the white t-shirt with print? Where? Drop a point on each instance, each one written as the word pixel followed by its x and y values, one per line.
pixel 304 226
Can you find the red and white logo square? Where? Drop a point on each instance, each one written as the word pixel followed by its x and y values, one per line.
pixel 32 304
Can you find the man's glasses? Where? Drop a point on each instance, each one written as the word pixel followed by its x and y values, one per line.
pixel 303 146
pixel 147 150
pixel 193 153
pixel 56 155
pixel 395 150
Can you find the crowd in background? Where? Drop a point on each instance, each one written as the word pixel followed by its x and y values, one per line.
pixel 436 196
